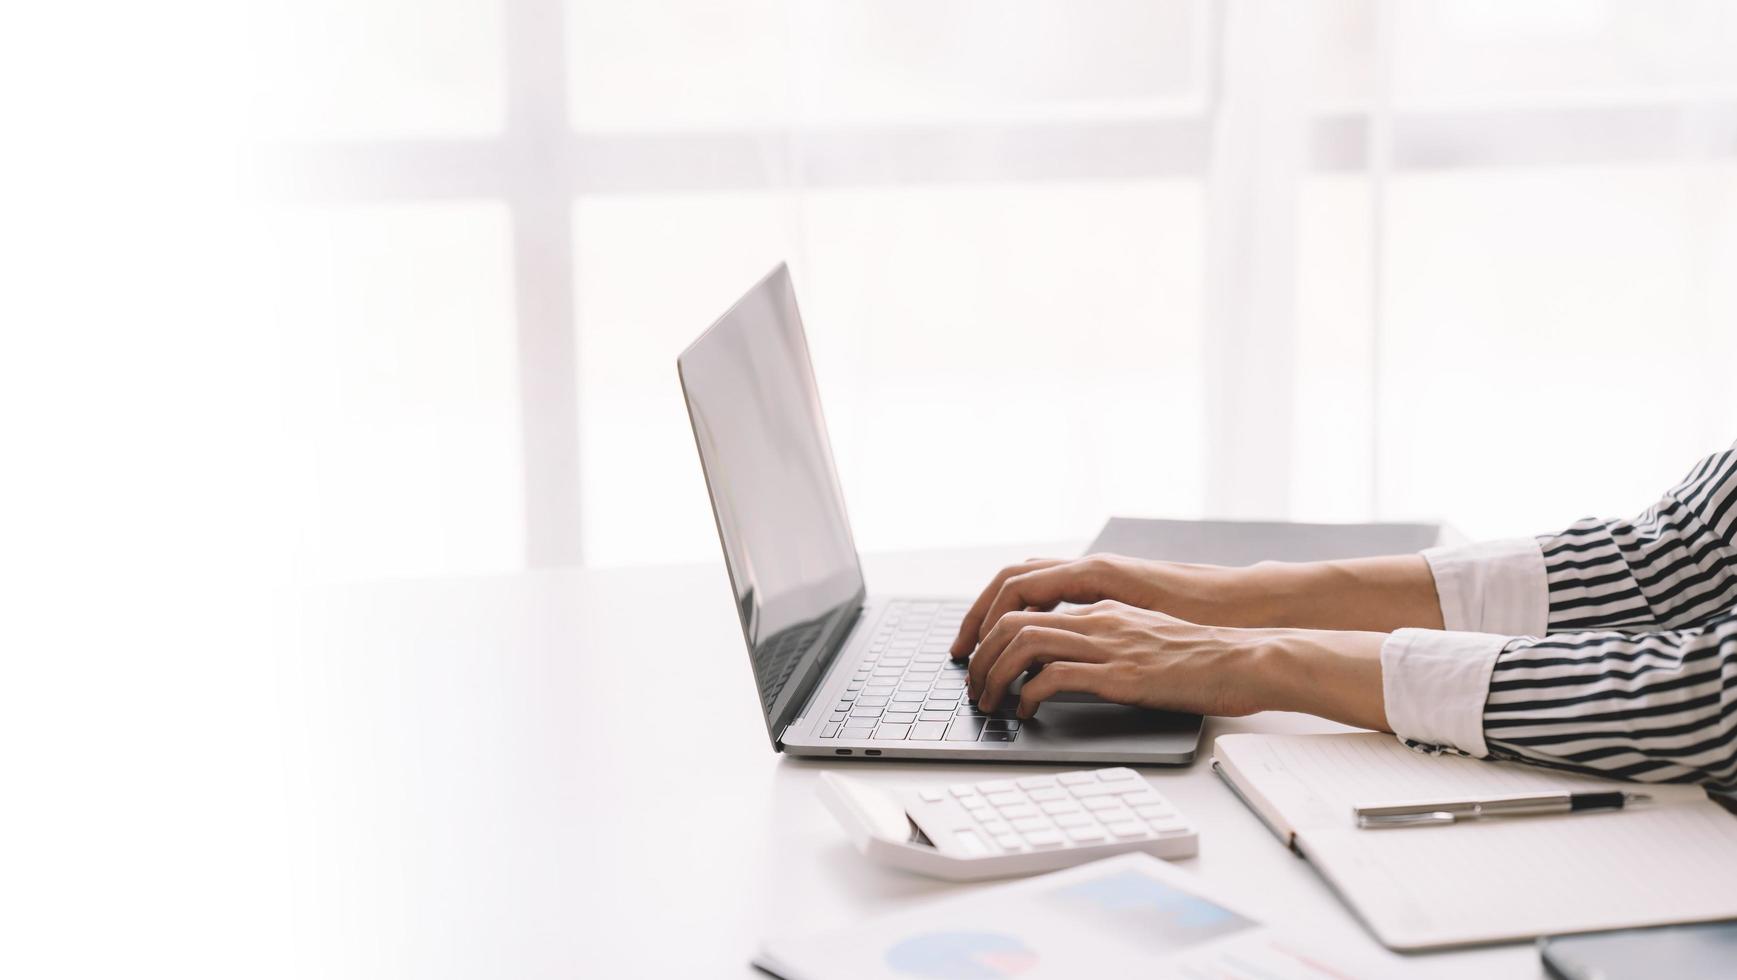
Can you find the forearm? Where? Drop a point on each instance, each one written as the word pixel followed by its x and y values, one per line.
pixel 1335 674
pixel 1376 594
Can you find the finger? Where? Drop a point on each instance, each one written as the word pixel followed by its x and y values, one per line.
pixel 1042 588
pixel 1035 645
pixel 1098 679
pixel 989 651
pixel 968 631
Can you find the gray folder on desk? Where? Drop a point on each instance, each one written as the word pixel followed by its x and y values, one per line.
pixel 1247 542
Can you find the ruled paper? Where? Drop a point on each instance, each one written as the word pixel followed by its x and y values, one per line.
pixel 1519 878
pixel 1674 860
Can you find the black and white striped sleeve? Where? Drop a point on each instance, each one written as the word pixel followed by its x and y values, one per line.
pixel 1657 707
pixel 1673 567
pixel 1610 647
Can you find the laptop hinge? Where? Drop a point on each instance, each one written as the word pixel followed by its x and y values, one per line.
pixel 802 686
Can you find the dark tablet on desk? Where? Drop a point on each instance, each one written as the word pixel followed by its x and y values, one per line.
pixel 1698 952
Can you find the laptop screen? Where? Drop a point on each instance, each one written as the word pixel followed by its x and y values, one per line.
pixel 780 513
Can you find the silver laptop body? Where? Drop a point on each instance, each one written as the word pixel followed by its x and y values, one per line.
pixel 840 674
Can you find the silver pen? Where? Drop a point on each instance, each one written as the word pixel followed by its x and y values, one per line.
pixel 1440 814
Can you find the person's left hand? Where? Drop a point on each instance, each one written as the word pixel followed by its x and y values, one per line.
pixel 1120 653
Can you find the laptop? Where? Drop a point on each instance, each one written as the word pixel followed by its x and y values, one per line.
pixel 840 673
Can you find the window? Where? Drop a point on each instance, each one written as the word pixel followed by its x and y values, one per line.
pixel 1058 259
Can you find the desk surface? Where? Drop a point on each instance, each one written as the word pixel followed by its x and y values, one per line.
pixel 564 774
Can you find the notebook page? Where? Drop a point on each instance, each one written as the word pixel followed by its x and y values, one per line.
pixel 1515 879
pixel 1313 781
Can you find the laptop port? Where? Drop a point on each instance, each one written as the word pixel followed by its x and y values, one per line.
pixel 871 751
pixel 841 752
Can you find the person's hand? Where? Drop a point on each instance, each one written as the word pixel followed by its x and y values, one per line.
pixel 1120 653
pixel 1153 660
pixel 1199 593
pixel 1379 594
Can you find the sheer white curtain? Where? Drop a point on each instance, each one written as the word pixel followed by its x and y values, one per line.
pixel 1324 260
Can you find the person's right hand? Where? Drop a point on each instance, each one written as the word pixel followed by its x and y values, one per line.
pixel 1197 593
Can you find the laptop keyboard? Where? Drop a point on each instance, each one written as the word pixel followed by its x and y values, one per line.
pixel 908 689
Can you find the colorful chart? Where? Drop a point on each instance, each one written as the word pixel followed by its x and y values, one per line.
pixel 961 956
pixel 1137 905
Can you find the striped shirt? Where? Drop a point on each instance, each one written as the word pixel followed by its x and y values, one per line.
pixel 1610 647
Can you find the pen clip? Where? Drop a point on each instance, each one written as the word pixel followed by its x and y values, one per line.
pixel 1432 818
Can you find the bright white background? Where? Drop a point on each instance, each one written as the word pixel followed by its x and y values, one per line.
pixel 1334 260
pixel 305 291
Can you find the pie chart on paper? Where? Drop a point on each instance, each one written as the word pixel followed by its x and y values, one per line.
pixel 961 956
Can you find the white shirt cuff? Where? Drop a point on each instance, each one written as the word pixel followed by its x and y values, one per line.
pixel 1435 684
pixel 1492 587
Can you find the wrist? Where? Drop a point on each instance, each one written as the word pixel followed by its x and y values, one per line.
pixel 1334 674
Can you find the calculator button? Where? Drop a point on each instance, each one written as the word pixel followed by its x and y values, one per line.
pixel 1085 834
pixel 1156 811
pixel 1033 782
pixel 1073 820
pixel 1011 842
pixel 928 731
pixel 970 843
pixel 1095 789
pixel 994 828
pixel 1168 826
pixel 1024 824
pixel 1054 807
pixel 1006 797
pixel 892 732
pixel 1043 838
pixel 1048 793
pixel 1019 810
pixel 1134 788
pixel 932 796
pixel 1127 828
pixel 1117 774
pixel 1099 802
pixel 1076 778
pixel 975 803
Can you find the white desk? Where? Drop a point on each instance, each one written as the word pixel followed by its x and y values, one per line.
pixel 565 775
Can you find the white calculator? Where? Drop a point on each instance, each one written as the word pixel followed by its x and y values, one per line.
pixel 1002 827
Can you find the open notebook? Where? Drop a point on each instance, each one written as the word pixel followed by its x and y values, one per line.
pixel 1674 860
